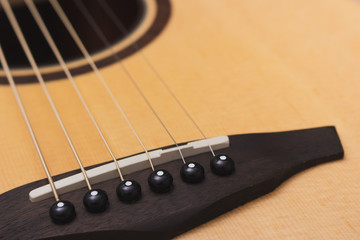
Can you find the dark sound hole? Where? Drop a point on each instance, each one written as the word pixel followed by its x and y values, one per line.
pixel 130 13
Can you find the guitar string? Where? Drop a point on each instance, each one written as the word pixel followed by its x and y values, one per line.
pixel 91 62
pixel 110 13
pixel 21 38
pixel 144 98
pixel 27 121
pixel 106 42
pixel 35 13
pixel 72 32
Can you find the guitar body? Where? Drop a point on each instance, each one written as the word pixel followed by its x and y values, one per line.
pixel 237 67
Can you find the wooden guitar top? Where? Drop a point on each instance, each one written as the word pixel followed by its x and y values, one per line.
pixel 238 67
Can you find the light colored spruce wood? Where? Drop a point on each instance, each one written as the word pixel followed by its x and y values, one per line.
pixel 238 67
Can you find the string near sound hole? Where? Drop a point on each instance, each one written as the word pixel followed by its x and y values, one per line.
pixel 130 14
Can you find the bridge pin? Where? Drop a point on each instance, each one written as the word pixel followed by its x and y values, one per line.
pixel 96 200
pixel 62 212
pixel 222 165
pixel 160 181
pixel 128 191
pixel 192 172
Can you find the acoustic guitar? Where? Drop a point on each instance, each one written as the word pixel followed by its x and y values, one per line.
pixel 145 119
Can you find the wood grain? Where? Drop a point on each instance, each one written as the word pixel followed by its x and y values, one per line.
pixel 238 67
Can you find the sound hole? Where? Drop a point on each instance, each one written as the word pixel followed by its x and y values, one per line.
pixel 130 13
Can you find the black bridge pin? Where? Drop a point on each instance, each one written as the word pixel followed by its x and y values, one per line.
pixel 128 191
pixel 160 181
pixel 192 172
pixel 62 212
pixel 222 165
pixel 96 201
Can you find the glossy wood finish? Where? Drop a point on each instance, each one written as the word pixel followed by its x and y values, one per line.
pixel 262 161
pixel 238 67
